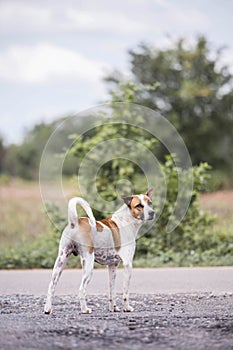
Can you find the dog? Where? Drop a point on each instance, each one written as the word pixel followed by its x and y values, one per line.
pixel 107 242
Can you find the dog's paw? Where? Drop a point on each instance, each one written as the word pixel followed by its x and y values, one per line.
pixel 47 311
pixel 128 309
pixel 114 309
pixel 87 311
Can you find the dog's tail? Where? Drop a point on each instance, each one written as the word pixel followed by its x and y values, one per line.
pixel 72 212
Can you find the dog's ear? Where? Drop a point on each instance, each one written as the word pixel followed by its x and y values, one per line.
pixel 127 199
pixel 149 193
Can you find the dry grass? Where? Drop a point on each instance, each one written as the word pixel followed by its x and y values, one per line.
pixel 221 204
pixel 22 213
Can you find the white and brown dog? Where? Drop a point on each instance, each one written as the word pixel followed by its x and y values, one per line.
pixel 107 242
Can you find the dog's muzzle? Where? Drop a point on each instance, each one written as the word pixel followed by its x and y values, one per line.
pixel 151 215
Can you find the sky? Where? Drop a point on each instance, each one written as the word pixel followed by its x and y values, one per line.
pixel 54 54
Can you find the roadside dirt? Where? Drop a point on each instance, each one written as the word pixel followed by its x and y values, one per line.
pixel 178 321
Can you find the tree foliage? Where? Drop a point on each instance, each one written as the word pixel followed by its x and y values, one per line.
pixel 195 93
pixel 123 131
pixel 190 234
pixel 23 160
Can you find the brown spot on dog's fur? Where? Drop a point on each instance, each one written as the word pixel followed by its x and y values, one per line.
pixel 115 231
pixel 146 198
pixel 60 263
pixel 99 227
pixel 86 234
pixel 135 201
pixel 133 206
pixel 85 230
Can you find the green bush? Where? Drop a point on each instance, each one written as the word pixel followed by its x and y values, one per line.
pixel 192 233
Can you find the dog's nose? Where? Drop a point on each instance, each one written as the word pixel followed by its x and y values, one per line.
pixel 151 214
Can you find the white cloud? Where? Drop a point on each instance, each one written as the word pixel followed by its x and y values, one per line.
pixel 227 59
pixel 127 17
pixel 104 21
pixel 45 63
pixel 170 16
pixel 23 16
pixel 20 17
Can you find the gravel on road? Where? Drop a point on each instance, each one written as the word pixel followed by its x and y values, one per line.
pixel 160 321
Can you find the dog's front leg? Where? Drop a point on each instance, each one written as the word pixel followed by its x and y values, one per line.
pixel 127 277
pixel 112 288
pixel 59 265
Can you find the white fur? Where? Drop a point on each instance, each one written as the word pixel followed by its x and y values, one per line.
pixel 72 212
pixel 104 251
pixel 147 209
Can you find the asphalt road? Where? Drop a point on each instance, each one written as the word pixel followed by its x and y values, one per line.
pixel 215 280
pixel 184 308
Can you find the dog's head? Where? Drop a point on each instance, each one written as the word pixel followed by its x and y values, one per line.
pixel 141 205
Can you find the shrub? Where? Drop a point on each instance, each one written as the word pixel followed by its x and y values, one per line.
pixel 192 233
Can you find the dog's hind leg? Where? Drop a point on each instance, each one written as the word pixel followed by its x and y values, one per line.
pixel 63 255
pixel 112 288
pixel 87 260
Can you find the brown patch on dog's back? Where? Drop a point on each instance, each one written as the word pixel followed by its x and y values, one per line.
pixel 85 230
pixel 86 235
pixel 114 228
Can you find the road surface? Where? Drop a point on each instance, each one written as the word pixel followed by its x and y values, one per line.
pixel 184 308
pixel 215 280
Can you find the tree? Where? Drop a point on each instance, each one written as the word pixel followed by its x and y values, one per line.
pixel 23 160
pixel 2 154
pixel 189 234
pixel 195 93
pixel 119 138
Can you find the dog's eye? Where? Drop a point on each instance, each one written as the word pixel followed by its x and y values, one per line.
pixel 139 206
pixel 150 203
